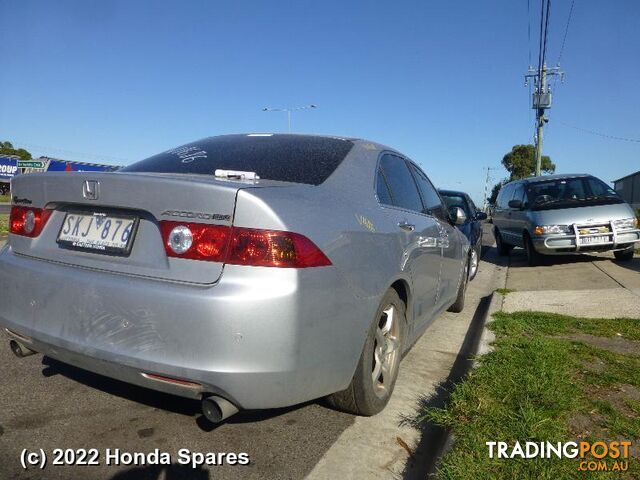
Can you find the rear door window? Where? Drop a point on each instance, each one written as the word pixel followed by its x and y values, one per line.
pixel 401 184
pixel 430 198
pixel 382 189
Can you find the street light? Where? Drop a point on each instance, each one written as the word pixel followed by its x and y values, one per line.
pixel 289 110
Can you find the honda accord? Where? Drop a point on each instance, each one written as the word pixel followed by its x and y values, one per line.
pixel 247 271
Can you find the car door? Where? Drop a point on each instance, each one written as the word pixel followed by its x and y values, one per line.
pixel 518 216
pixel 417 233
pixel 476 225
pixel 501 211
pixel 449 241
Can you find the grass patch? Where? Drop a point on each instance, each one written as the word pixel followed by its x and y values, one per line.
pixel 535 386
pixel 5 199
pixel 504 291
pixel 4 224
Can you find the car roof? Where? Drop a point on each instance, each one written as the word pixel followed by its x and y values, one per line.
pixel 452 192
pixel 368 144
pixel 544 178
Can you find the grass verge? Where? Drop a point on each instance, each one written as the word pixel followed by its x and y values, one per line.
pixel 549 378
pixel 504 291
pixel 4 224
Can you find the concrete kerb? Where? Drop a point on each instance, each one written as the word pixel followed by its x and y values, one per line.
pixel 477 341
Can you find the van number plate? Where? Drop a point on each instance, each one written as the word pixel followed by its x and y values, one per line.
pixel 592 240
pixel 98 232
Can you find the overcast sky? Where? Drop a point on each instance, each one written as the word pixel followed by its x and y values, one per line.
pixel 117 81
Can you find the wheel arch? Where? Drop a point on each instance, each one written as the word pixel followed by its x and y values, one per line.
pixel 402 289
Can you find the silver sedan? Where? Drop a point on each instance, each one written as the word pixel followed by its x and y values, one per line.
pixel 248 271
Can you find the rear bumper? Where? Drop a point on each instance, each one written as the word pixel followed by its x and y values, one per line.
pixel 261 337
pixel 575 243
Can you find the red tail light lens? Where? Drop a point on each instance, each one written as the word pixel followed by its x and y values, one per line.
pixel 269 248
pixel 28 222
pixel 240 246
pixel 196 241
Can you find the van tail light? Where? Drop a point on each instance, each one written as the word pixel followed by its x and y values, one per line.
pixel 241 246
pixel 28 222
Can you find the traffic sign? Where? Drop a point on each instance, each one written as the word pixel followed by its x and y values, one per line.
pixel 30 164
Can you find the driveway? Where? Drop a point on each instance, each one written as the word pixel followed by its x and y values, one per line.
pixel 588 285
pixel 48 405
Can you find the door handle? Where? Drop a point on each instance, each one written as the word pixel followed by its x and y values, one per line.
pixel 428 242
pixel 409 227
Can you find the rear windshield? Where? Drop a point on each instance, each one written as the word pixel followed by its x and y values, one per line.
pixel 570 192
pixel 289 158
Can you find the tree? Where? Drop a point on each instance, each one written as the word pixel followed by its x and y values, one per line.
pixel 520 162
pixel 6 148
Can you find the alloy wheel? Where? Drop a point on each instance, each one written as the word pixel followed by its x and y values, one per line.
pixel 473 264
pixel 385 352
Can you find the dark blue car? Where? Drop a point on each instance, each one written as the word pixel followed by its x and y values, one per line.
pixel 472 228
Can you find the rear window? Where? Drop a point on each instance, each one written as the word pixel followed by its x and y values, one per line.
pixel 289 158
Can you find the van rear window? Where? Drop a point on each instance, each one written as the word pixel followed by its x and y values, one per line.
pixel 289 158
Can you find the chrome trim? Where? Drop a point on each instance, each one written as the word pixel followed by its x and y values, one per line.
pixel 17 336
pixel 613 234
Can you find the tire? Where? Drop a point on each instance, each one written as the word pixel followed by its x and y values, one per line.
pixel 624 255
pixel 503 248
pixel 533 257
pixel 367 395
pixel 474 262
pixel 458 305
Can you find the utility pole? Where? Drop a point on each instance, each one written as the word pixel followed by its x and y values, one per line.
pixel 486 186
pixel 541 101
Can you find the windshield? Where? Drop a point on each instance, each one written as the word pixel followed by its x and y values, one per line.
pixel 570 192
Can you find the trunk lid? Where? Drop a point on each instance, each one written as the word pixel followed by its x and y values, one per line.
pixel 147 197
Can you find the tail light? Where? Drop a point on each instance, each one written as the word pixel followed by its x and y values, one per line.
pixel 28 222
pixel 241 246
pixel 269 248
pixel 196 241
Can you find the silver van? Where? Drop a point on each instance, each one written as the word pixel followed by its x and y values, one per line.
pixel 560 214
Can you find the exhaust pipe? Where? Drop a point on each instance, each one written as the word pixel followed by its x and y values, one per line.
pixel 216 409
pixel 19 350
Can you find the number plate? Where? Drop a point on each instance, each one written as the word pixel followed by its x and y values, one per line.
pixel 592 240
pixel 98 232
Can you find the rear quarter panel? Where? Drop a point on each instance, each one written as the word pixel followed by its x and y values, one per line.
pixel 342 217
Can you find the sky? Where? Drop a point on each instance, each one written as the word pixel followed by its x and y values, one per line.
pixel 442 82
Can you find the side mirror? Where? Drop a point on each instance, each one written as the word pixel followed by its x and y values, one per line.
pixel 517 204
pixel 457 215
pixel 481 216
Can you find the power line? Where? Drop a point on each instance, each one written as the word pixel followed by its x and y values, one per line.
pixel 529 29
pixel 603 135
pixel 546 31
pixel 566 30
pixel 540 47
